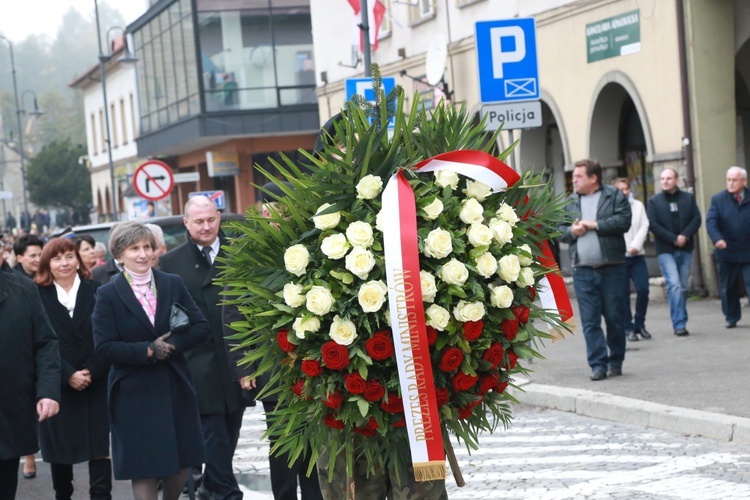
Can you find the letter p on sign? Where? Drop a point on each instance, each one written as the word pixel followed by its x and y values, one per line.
pixel 508 46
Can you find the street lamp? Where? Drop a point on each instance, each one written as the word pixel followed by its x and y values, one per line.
pixel 103 59
pixel 36 111
pixel 27 217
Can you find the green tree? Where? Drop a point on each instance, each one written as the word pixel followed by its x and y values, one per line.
pixel 55 177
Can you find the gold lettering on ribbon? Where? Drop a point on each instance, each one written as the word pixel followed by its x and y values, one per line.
pixel 414 368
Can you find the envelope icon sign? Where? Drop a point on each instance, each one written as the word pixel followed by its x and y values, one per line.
pixel 521 87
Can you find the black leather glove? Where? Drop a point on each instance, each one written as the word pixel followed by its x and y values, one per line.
pixel 160 348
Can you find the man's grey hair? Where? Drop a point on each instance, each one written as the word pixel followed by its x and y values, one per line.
pixel 100 247
pixel 195 200
pixel 158 233
pixel 738 170
pixel 126 234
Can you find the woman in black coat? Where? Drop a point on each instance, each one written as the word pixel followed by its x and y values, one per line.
pixel 156 431
pixel 80 432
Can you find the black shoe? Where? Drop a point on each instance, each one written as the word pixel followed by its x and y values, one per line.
pixel 632 337
pixel 643 333
pixel 598 375
pixel 681 332
pixel 29 475
pixel 614 371
pixel 731 324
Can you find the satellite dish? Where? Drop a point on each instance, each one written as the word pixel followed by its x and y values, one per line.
pixel 435 61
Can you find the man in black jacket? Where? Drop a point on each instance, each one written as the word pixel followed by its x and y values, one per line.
pixel 28 250
pixel 597 253
pixel 674 219
pixel 219 396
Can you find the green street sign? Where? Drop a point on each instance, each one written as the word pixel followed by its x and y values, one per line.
pixel 614 36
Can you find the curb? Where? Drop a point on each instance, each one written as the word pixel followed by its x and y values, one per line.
pixel 635 411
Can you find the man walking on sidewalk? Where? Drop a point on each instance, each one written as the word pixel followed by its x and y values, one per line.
pixel 728 225
pixel 597 253
pixel 674 219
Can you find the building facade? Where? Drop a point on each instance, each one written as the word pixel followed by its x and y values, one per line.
pixel 639 86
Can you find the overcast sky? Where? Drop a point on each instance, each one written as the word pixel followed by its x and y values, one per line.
pixel 21 18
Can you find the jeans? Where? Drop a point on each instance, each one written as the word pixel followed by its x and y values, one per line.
pixel 638 273
pixel 675 267
pixel 729 289
pixel 600 293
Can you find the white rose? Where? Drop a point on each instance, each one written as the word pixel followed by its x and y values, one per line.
pixel 508 268
pixel 334 246
pixel 379 221
pixel 296 259
pixel 343 332
pixel 359 234
pixel 301 325
pixel 486 264
pixel 446 178
pixel 479 235
pixel 437 317
pixel 369 187
pixel 501 296
pixel 477 189
pixel 293 295
pixel 471 212
pixel 525 277
pixel 319 300
pixel 468 311
pixel 372 295
pixel 360 261
pixel 506 213
pixel 502 231
pixel 525 257
pixel 429 289
pixel 327 221
pixel 433 210
pixel 454 273
pixel 438 244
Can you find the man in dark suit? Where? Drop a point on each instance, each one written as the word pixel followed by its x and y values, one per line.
pixel 219 397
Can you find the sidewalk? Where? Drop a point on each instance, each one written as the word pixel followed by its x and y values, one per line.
pixel 693 385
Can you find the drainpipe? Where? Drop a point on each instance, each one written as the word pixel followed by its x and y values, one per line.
pixel 687 141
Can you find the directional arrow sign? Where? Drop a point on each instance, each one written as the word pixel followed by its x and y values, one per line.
pixel 153 180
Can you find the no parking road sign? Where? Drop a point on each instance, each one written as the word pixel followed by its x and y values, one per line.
pixel 153 180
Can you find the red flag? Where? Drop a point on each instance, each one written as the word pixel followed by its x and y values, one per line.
pixel 374 21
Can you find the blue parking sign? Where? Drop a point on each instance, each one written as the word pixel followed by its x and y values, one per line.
pixel 506 54
pixel 363 87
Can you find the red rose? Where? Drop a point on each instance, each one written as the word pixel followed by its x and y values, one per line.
pixel 399 423
pixel 380 346
pixel 442 395
pixel 354 383
pixel 522 314
pixel 509 328
pixel 476 403
pixel 375 391
pixel 369 428
pixel 463 382
pixel 488 382
pixel 333 422
pixel 465 412
pixel 335 356
pixel 431 335
pixel 494 355
pixel 334 400
pixel 451 360
pixel 283 339
pixel 311 367
pixel 532 293
pixel 297 387
pixel 501 387
pixel 473 329
pixel 394 404
pixel 512 360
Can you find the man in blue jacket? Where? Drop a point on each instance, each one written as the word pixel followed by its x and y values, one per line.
pixel 674 219
pixel 728 226
pixel 597 252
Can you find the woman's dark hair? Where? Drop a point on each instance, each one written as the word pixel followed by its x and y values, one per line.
pixel 51 250
pixel 85 237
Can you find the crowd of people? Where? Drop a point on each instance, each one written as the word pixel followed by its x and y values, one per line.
pixel 606 240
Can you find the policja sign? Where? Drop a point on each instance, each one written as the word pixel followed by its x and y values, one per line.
pixel 513 115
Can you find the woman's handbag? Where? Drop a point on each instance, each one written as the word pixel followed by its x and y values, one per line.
pixel 178 318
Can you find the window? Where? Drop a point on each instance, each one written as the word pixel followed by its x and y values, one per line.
pixel 113 119
pixel 124 122
pixel 423 10
pixel 93 134
pixel 104 131
pixel 385 26
pixel 133 117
